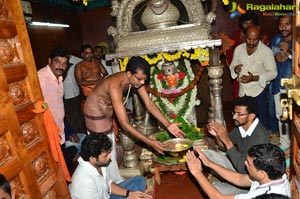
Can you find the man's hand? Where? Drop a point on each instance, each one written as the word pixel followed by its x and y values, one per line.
pixel 211 130
pixel 193 163
pixel 222 134
pixel 74 138
pixel 249 78
pixel 285 47
pixel 175 130
pixel 157 146
pixel 238 68
pixel 138 195
pixel 280 57
pixel 207 162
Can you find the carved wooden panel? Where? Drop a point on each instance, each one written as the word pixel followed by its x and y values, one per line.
pixel 5 153
pixel 31 135
pixel 25 155
pixel 51 194
pixel 17 188
pixel 41 167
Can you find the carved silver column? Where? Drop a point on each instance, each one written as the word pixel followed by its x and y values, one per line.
pixel 215 73
pixel 142 118
pixel 130 166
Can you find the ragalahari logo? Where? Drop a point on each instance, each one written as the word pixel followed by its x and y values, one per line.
pixel 236 9
pixel 270 9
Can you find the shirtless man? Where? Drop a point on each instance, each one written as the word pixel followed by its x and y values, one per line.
pixel 107 98
pixel 89 71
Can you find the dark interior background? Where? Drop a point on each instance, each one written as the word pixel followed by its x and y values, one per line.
pixel 90 26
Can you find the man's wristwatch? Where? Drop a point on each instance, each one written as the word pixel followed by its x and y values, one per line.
pixel 127 193
pixel 290 56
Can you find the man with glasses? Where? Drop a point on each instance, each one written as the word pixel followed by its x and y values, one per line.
pixel 266 173
pixel 248 131
pixel 106 99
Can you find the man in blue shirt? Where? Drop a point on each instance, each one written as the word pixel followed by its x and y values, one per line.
pixel 281 45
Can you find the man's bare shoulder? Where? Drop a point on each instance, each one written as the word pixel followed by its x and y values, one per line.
pixel 80 64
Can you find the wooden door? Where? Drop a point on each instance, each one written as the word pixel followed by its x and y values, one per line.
pixel 25 156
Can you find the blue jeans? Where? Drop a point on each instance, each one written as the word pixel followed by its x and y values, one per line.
pixel 261 101
pixel 81 137
pixel 273 122
pixel 137 183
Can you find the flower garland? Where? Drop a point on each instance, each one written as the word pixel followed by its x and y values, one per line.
pixel 182 92
pixel 199 53
pixel 181 105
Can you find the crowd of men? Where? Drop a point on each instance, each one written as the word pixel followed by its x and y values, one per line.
pixel 84 95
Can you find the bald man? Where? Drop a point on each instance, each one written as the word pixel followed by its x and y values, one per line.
pixel 254 66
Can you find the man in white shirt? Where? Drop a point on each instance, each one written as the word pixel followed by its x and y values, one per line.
pixel 266 167
pixel 254 66
pixel 74 121
pixel 91 180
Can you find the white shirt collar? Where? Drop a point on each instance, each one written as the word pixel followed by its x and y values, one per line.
pixel 250 130
pixel 89 166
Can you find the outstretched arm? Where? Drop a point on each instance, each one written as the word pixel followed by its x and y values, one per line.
pixel 195 167
pixel 222 135
pixel 120 191
pixel 120 111
pixel 229 175
pixel 154 110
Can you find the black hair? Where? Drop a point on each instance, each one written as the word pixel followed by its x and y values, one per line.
pixel 286 14
pixel 59 51
pixel 138 63
pixel 85 46
pixel 94 144
pixel 249 15
pixel 96 47
pixel 269 158
pixel 249 102
pixel 4 184
pixel 272 196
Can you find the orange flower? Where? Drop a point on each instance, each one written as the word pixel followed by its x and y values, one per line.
pixel 204 63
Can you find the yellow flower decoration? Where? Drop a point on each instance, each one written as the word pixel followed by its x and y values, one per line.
pixel 171 57
pixel 186 54
pixel 151 61
pixel 201 54
pixel 85 2
pixel 123 63
pixel 196 54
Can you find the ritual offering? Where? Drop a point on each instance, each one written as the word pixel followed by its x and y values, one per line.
pixel 177 145
pixel 176 148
